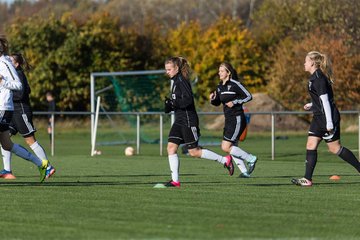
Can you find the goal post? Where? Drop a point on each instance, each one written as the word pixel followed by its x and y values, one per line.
pixel 111 86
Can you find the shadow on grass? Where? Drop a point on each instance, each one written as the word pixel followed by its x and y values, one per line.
pixel 287 184
pixel 114 183
pixel 321 175
pixel 109 176
pixel 80 183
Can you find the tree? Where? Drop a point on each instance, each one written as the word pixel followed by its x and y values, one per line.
pixel 288 81
pixel 225 40
pixel 64 52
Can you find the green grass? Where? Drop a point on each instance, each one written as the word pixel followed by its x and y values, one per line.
pixel 112 196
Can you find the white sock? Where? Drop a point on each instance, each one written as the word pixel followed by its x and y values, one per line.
pixel 240 163
pixel 6 155
pixel 39 152
pixel 239 153
pixel 207 154
pixel 25 154
pixel 174 167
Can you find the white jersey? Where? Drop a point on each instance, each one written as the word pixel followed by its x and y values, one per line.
pixel 9 82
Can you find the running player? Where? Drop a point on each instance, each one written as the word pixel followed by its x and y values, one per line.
pixel 9 81
pixel 326 117
pixel 185 129
pixel 232 94
pixel 22 120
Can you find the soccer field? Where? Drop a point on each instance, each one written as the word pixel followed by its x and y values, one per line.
pixel 111 196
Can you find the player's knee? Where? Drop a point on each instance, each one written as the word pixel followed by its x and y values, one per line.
pixel 6 146
pixel 195 152
pixel 171 149
pixel 225 148
pixel 311 146
pixel 334 149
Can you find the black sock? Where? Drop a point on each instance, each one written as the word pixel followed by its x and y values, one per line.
pixel 349 157
pixel 311 159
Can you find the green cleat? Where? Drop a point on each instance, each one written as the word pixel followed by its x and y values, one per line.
pixel 42 170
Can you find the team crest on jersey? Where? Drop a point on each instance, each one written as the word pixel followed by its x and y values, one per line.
pixel 310 83
pixel 228 87
pixel 173 96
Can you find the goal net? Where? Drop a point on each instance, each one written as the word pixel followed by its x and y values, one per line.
pixel 125 95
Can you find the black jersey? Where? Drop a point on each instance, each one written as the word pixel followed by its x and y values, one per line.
pixel 183 100
pixel 233 91
pixel 319 85
pixel 22 96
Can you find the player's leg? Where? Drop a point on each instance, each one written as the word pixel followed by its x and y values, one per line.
pixel 333 142
pixel 22 122
pixel 39 152
pixel 20 151
pixel 6 173
pixel 174 140
pixel 314 138
pixel 191 139
pixel 226 147
pixel 344 153
pixel 233 129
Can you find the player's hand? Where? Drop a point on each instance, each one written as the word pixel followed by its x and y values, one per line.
pixel 213 95
pixel 307 106
pixel 169 105
pixel 229 104
pixel 329 126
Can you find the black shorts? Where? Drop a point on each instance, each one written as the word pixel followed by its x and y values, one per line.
pixel 318 128
pixel 234 127
pixel 5 118
pixel 22 121
pixel 180 134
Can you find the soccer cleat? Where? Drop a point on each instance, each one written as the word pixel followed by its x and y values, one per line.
pixel 171 183
pixel 251 162
pixel 42 169
pixel 302 182
pixel 244 175
pixel 229 165
pixel 6 174
pixel 50 171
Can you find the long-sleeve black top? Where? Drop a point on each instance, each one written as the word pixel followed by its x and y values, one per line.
pixel 23 95
pixel 183 100
pixel 231 91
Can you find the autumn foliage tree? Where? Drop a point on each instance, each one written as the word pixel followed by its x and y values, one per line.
pixel 225 40
pixel 288 80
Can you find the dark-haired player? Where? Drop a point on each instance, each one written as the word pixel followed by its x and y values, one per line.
pixel 232 95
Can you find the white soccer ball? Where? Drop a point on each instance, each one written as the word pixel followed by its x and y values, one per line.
pixel 129 151
pixel 97 152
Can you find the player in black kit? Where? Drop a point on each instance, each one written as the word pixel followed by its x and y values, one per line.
pixel 232 94
pixel 185 129
pixel 326 118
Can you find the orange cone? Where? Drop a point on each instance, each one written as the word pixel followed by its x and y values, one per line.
pixel 335 177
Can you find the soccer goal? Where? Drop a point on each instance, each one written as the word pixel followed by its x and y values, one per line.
pixel 123 94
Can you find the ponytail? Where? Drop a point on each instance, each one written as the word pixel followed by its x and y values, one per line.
pixel 323 62
pixel 20 59
pixel 182 64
